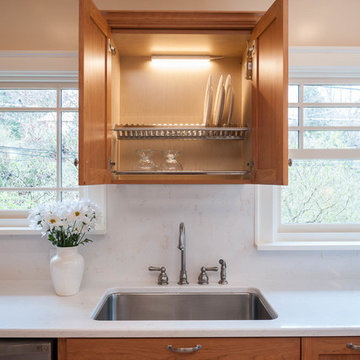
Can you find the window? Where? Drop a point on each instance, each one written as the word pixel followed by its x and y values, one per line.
pixel 38 147
pixel 321 204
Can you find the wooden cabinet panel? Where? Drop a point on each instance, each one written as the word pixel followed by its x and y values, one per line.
pixel 156 349
pixel 94 96
pixel 186 20
pixel 269 110
pixel 329 348
pixel 99 95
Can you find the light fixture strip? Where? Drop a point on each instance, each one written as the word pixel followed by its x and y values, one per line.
pixel 180 58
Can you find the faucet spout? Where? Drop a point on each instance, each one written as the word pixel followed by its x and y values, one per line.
pixel 182 248
pixel 181 245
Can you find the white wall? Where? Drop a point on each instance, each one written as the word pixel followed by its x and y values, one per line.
pixel 143 230
pixel 53 24
pixel 143 220
pixel 143 227
pixel 39 25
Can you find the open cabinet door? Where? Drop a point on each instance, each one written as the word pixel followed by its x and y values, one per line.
pixel 94 96
pixel 270 88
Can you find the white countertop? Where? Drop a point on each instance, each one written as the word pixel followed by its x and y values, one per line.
pixel 31 309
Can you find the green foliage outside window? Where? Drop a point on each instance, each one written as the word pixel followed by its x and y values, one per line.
pixel 324 191
pixel 33 127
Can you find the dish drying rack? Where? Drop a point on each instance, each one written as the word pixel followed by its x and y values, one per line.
pixel 180 132
pixel 143 132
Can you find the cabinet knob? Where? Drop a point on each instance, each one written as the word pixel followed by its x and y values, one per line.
pixel 290 162
pixel 76 162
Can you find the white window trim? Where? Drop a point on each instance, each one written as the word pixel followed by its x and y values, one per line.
pixel 15 222
pixel 270 235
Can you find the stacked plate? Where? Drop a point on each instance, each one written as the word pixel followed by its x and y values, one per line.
pixel 223 105
pixel 208 102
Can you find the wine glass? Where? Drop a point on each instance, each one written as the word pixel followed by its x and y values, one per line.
pixel 170 162
pixel 145 161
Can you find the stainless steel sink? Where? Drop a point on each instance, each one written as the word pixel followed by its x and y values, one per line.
pixel 247 305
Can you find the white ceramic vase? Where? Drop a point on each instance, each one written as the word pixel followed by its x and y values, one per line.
pixel 67 269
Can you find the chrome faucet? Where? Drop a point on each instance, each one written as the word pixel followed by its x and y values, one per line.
pixel 181 247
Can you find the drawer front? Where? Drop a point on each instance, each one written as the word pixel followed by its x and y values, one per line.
pixel 157 349
pixel 331 348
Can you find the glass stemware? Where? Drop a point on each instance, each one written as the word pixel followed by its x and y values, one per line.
pixel 145 161
pixel 171 163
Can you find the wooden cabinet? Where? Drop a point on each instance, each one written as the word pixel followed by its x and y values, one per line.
pixel 118 86
pixel 330 348
pixel 157 349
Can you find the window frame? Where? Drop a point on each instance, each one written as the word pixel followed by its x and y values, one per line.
pixel 270 234
pixel 14 222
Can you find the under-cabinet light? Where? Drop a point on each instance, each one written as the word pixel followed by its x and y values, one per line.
pixel 180 61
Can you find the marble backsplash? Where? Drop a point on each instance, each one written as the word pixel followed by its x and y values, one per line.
pixel 142 230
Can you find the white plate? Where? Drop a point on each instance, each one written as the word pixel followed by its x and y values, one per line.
pixel 208 102
pixel 228 103
pixel 219 102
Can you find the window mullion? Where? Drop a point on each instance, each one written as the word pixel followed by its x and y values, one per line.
pixel 59 146
pixel 331 128
pixel 331 154
pixel 34 189
pixel 332 105
pixel 301 116
pixel 27 109
pixel 277 206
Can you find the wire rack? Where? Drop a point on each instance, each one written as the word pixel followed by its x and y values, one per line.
pixel 125 132
pixel 184 172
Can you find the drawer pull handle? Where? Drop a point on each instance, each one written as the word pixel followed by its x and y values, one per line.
pixel 184 350
pixel 352 346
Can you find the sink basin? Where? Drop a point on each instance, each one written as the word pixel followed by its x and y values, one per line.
pixel 247 305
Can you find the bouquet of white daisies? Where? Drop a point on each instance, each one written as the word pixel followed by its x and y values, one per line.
pixel 65 223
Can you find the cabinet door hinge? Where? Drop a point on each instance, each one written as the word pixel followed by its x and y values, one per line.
pixel 249 60
pixel 112 49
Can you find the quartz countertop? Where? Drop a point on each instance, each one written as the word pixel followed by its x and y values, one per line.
pixel 31 309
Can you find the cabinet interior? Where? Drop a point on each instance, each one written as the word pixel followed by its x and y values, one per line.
pixel 144 94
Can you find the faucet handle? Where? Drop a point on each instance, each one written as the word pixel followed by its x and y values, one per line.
pixel 163 278
pixel 212 268
pixel 203 278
